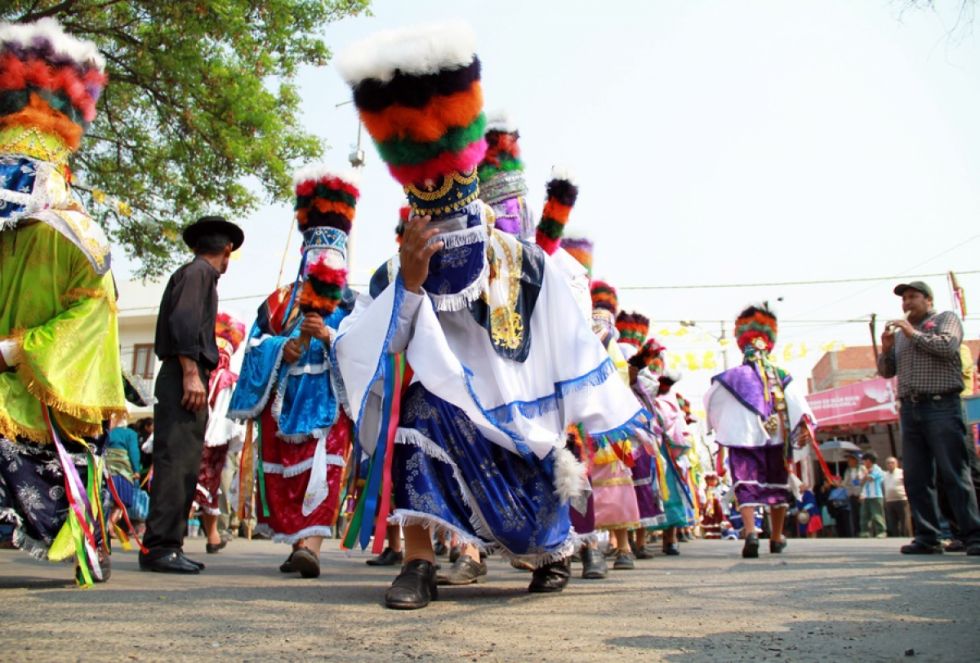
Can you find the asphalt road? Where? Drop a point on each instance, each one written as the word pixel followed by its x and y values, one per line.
pixel 824 600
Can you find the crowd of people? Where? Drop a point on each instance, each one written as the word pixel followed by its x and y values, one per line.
pixel 484 395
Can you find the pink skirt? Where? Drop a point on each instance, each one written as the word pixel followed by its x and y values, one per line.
pixel 614 497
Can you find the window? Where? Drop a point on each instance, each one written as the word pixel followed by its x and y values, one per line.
pixel 143 360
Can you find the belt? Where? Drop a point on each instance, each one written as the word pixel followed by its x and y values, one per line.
pixel 926 398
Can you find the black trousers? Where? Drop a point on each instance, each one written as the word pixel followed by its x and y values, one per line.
pixel 178 440
pixel 935 446
pixel 855 515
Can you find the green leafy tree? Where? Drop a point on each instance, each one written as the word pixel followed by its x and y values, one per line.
pixel 201 96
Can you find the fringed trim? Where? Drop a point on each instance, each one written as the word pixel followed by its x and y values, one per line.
pixel 12 429
pixel 298 438
pixel 585 539
pixel 608 527
pixel 458 238
pixel 532 409
pixel 85 414
pixel 308 369
pixel 408 518
pixel 317 530
pixel 300 468
pixel 486 540
pixel 653 521
pixel 34 547
pixel 242 415
pixel 458 301
pixel 624 431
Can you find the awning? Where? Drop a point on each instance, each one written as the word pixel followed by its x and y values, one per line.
pixel 859 404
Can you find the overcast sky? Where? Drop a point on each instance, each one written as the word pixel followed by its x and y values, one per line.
pixel 715 142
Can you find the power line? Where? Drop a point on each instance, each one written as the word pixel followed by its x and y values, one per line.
pixel 770 284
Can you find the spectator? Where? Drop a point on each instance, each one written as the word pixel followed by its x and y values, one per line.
pixel 924 353
pixel 839 507
pixel 809 519
pixel 896 503
pixel 872 498
pixel 853 478
pixel 122 459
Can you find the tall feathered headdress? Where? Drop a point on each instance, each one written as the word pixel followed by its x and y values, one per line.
pixel 633 328
pixel 604 297
pixel 562 193
pixel 581 249
pixel 49 85
pixel 756 329
pixel 418 94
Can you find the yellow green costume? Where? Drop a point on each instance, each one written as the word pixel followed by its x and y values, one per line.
pixel 58 327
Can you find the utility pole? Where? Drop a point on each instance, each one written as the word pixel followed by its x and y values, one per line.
pixel 874 336
pixel 724 345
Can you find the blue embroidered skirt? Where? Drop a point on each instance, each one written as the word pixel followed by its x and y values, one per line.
pixel 446 475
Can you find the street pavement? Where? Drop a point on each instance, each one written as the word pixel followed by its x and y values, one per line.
pixel 823 600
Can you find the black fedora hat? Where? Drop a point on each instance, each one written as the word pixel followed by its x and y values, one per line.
pixel 208 225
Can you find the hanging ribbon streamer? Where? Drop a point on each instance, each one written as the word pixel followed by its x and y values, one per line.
pixel 384 507
pixel 80 518
pixel 808 426
pixel 260 466
pixel 246 469
pixel 373 488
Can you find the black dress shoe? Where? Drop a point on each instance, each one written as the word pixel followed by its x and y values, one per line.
pixel 955 546
pixel 624 562
pixel 594 566
pixel 199 565
pixel 172 562
pixel 550 577
pixel 776 547
pixel 919 548
pixel 306 563
pixel 751 548
pixel 643 553
pixel 213 548
pixel 440 549
pixel 973 549
pixel 287 566
pixel 388 557
pixel 414 587
pixel 465 571
pixel 671 549
pixel 454 554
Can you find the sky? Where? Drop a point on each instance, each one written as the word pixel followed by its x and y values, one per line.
pixel 714 142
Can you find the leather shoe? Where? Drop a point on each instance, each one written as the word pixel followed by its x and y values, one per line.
pixel 199 565
pixel 454 554
pixel 973 550
pixel 414 587
pixel 172 562
pixel 919 548
pixel 954 546
pixel 594 565
pixel 624 562
pixel 287 566
pixel 306 563
pixel 550 578
pixel 440 549
pixel 671 549
pixel 776 547
pixel 751 548
pixel 643 553
pixel 388 557
pixel 213 548
pixel 465 571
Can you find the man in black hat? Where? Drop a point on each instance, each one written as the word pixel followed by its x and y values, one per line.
pixel 185 343
pixel 923 350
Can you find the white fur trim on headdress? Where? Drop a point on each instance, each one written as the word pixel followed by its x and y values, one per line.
pixel 318 171
pixel 415 51
pixel 562 173
pixel 501 121
pixel 82 52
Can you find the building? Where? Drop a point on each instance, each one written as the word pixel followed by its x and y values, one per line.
pixel 138 303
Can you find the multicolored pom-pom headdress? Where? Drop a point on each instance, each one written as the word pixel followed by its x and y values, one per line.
pixel 419 96
pixel 325 204
pixel 650 355
pixel 49 85
pixel 501 172
pixel 604 297
pixel 633 328
pixel 581 249
pixel 229 332
pixel 756 329
pixel 562 194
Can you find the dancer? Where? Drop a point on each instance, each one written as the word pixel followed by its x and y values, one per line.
pixel 476 444
pixel 60 377
pixel 222 433
pixel 755 409
pixel 289 390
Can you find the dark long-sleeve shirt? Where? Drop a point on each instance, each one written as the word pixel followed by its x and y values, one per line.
pixel 185 326
pixel 929 362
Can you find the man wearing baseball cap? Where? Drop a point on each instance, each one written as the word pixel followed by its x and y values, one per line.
pixel 923 350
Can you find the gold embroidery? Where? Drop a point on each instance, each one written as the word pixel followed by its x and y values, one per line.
pixel 33 143
pixel 506 324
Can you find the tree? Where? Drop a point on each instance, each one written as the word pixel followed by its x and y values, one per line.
pixel 201 95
